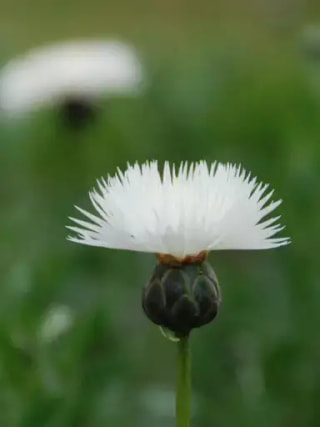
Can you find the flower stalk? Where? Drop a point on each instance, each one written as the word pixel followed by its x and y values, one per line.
pixel 183 391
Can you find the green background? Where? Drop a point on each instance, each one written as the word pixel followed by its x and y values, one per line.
pixel 229 80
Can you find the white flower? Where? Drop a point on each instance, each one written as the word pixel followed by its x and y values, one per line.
pixel 197 209
pixel 56 322
pixel 75 69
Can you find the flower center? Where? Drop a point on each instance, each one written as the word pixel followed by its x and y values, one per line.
pixel 178 261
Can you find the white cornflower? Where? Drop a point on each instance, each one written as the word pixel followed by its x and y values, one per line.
pixel 57 321
pixel 79 69
pixel 181 213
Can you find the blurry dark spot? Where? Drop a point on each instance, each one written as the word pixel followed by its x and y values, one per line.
pixel 78 113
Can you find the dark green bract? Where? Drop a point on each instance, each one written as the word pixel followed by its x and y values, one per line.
pixel 182 297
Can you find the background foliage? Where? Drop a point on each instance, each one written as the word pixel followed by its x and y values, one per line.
pixel 232 81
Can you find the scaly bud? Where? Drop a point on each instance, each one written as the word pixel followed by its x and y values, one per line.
pixel 182 297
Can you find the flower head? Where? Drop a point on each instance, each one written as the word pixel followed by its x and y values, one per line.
pixel 180 214
pixel 74 70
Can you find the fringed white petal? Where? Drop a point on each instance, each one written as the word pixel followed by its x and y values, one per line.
pixel 180 212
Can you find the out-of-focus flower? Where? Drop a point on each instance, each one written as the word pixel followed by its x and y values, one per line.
pixel 181 214
pixel 56 322
pixel 311 41
pixel 70 73
pixel 158 401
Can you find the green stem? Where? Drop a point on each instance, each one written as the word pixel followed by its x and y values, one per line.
pixel 183 392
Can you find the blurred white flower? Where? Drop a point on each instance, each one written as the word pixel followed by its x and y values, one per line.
pixel 158 401
pixel 74 70
pixel 182 213
pixel 311 51
pixel 57 321
pixel 311 41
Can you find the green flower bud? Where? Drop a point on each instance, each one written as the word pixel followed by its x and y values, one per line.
pixel 182 297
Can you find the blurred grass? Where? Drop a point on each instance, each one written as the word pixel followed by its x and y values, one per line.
pixel 226 85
